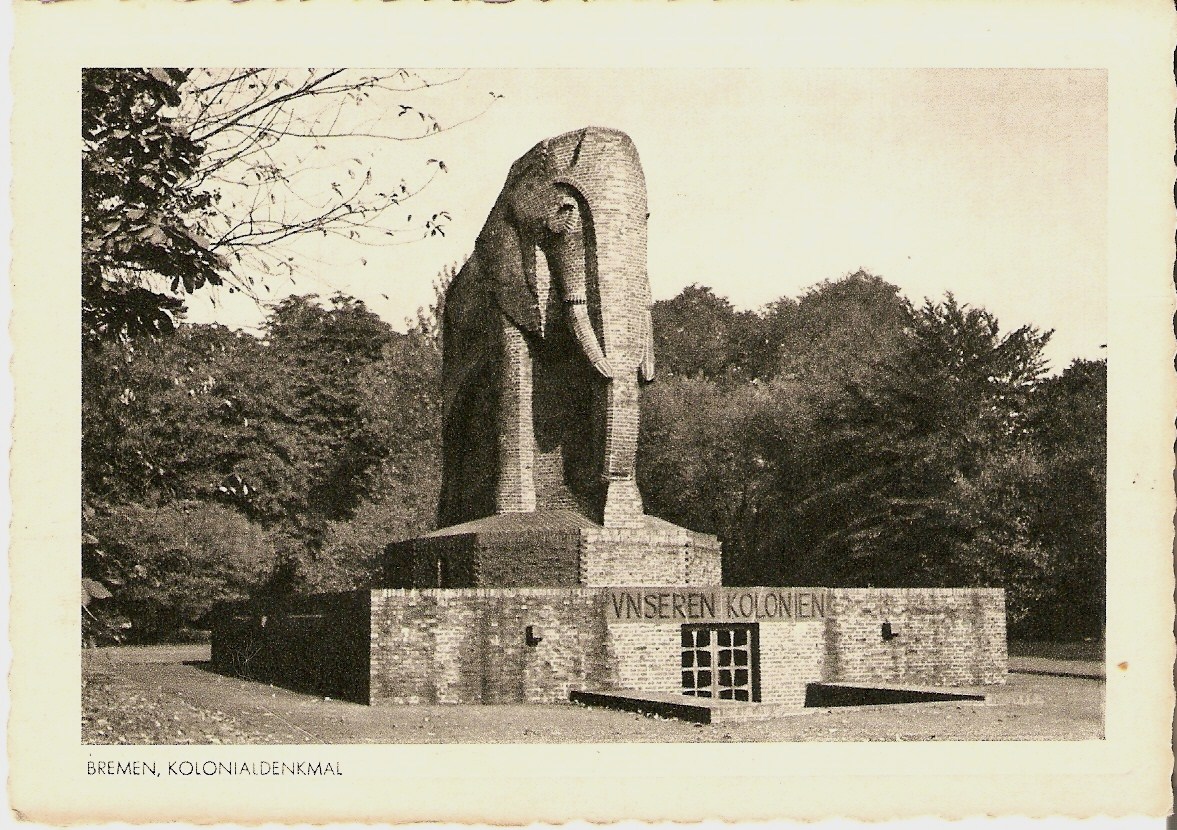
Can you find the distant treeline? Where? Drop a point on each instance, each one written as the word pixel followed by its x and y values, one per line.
pixel 846 437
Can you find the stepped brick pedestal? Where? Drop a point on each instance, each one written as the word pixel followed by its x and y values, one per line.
pixel 553 548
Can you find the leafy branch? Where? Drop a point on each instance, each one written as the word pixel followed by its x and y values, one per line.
pixel 212 176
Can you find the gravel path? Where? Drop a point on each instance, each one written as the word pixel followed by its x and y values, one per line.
pixel 167 695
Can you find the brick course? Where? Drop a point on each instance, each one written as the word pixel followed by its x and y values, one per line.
pixel 470 646
pixel 791 655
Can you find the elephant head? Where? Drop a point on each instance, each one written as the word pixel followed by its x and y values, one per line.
pixel 579 200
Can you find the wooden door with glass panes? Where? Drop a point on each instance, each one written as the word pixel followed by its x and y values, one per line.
pixel 721 661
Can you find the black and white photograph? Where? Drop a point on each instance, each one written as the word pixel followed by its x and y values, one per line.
pixel 598 419
pixel 466 409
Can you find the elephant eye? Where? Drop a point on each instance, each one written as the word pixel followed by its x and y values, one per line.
pixel 565 215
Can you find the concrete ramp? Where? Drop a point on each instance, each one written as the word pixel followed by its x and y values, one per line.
pixel 821 695
pixel 683 707
pixel 713 711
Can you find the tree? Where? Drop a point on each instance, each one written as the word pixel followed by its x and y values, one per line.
pixel 272 427
pixel 320 356
pixel 167 566
pixel 1068 425
pixel 324 433
pixel 141 222
pixel 162 417
pixel 210 177
pixel 956 396
pixel 698 334
pixel 837 332
pixel 399 407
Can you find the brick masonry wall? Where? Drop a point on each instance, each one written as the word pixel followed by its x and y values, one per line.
pixel 946 636
pixel 791 655
pixel 546 550
pixel 532 558
pixel 317 644
pixel 414 563
pixel 659 555
pixel 647 656
pixel 469 646
pixel 535 558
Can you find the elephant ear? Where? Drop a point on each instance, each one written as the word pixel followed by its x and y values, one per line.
pixel 511 267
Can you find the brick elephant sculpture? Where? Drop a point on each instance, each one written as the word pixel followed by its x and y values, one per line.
pixel 546 338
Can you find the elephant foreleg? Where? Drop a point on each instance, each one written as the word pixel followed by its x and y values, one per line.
pixel 623 502
pixel 516 482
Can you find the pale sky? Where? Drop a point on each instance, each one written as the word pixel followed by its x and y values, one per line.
pixel 991 184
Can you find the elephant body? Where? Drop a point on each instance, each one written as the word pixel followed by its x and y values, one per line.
pixel 546 337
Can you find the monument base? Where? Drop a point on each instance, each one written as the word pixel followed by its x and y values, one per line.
pixel 553 548
pixel 753 645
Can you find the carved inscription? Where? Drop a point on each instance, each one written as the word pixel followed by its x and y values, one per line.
pixel 715 604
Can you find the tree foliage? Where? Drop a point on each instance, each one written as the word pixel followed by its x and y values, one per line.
pixel 698 334
pixel 141 219
pixel 168 565
pixel 325 426
pixel 875 442
pixel 213 176
pixel 929 417
pixel 863 441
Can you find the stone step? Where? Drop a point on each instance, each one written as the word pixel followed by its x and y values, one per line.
pixel 817 696
pixel 683 707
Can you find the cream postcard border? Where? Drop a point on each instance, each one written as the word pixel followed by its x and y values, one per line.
pixel 1125 774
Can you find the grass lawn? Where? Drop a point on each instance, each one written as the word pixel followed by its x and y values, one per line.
pixel 168 695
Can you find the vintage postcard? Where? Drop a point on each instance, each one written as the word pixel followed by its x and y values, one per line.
pixel 547 412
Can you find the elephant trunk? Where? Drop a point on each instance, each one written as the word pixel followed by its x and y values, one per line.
pixel 567 259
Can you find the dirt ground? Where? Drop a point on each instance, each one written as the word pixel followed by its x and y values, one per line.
pixel 168 695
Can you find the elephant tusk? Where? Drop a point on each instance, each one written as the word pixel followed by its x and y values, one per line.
pixel 582 329
pixel 646 367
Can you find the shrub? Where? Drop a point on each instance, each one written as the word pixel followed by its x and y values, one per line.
pixel 167 566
